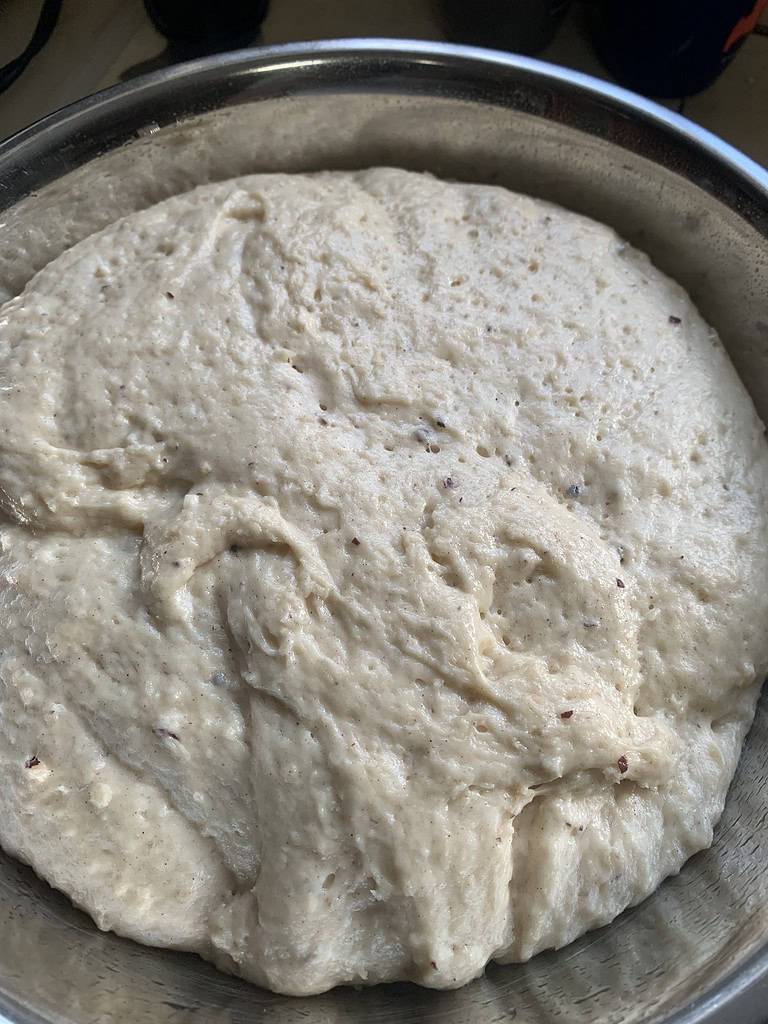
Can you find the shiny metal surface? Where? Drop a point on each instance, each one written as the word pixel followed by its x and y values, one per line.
pixel 697 951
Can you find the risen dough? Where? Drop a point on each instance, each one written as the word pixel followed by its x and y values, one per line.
pixel 383 577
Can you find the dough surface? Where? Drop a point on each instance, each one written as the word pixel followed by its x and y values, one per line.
pixel 382 577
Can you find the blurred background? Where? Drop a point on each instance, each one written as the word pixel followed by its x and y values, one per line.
pixel 707 59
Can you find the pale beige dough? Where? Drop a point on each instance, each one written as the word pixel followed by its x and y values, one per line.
pixel 382 586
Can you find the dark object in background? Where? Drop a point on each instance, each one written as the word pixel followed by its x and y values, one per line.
pixel 521 26
pixel 46 23
pixel 671 48
pixel 216 24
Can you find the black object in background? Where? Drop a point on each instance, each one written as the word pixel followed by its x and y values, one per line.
pixel 46 23
pixel 522 26
pixel 671 48
pixel 216 24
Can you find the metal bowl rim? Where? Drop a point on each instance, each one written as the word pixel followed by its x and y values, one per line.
pixel 75 116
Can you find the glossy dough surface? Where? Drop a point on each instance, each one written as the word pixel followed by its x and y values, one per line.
pixel 382 576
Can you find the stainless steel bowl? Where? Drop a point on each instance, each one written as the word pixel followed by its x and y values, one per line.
pixel 696 951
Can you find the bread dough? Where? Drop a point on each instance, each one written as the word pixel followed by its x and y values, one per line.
pixel 382 578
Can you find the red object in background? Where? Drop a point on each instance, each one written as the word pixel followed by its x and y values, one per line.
pixel 745 25
pixel 672 48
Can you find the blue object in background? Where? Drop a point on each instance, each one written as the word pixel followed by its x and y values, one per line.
pixel 670 48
